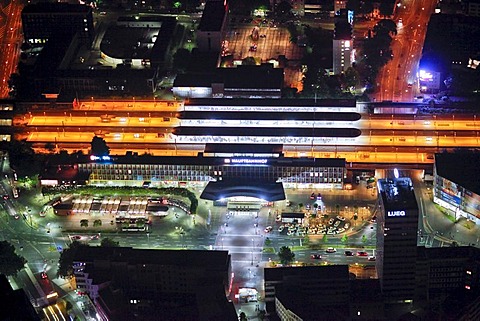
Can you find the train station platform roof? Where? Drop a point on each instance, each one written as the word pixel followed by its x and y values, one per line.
pixel 268 191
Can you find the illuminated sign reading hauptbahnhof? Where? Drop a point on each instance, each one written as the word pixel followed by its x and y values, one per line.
pixel 395 213
pixel 260 161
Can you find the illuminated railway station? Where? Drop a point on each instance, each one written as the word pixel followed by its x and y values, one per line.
pixel 304 128
pixel 222 172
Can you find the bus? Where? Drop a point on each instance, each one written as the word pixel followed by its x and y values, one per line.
pixel 49 294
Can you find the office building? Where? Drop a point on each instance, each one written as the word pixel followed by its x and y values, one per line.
pixel 397 226
pixel 308 293
pixel 456 186
pixel 210 31
pixel 178 285
pixel 342 42
pixel 40 21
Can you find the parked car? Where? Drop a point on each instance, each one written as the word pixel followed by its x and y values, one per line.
pixel 281 228
pixel 319 197
pixel 349 253
pixel 312 196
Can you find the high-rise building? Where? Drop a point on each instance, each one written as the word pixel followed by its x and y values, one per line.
pixel 342 42
pixel 42 20
pixel 397 225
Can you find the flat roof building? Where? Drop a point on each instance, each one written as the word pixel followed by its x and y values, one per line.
pixel 456 184
pixel 263 177
pixel 40 21
pixel 397 226
pixel 210 31
pixel 179 285
pixel 308 293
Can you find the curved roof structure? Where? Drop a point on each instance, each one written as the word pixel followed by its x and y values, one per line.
pixel 270 116
pixel 269 191
pixel 267 132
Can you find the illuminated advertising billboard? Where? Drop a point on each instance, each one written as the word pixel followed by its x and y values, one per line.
pixel 450 192
pixel 472 203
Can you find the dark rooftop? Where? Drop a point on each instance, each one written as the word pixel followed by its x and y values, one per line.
pixel 272 102
pixel 264 76
pixel 55 7
pixel 397 193
pixel 213 16
pixel 189 258
pixel 325 272
pixel 460 168
pixel 445 253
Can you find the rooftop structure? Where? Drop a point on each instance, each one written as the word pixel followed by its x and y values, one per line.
pixel 304 292
pixel 241 82
pixel 210 31
pixel 397 226
pixel 17 301
pixel 448 165
pixel 456 184
pixel 42 20
pixel 181 285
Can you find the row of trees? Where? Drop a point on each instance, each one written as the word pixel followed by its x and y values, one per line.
pixel 376 51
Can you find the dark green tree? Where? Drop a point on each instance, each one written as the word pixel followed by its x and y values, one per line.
pixel 22 157
pixel 181 59
pixel 248 61
pixel 283 10
pixel 353 5
pixel 97 223
pixel 286 255
pixel 50 147
pixel 351 78
pixel 386 8
pixel 108 242
pixel 10 262
pixel 65 263
pixel 99 146
pixel 84 223
pixel 243 316
pixel 367 7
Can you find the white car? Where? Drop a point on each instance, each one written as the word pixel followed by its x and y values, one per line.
pixel 281 228
pixel 330 250
pixel 268 229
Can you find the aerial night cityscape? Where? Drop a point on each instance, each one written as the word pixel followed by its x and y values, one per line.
pixel 217 160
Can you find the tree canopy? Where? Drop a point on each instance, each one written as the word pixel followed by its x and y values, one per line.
pixel 65 262
pixel 10 262
pixel 286 255
pixel 108 242
pixel 99 146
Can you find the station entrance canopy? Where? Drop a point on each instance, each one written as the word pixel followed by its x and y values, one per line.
pixel 266 190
